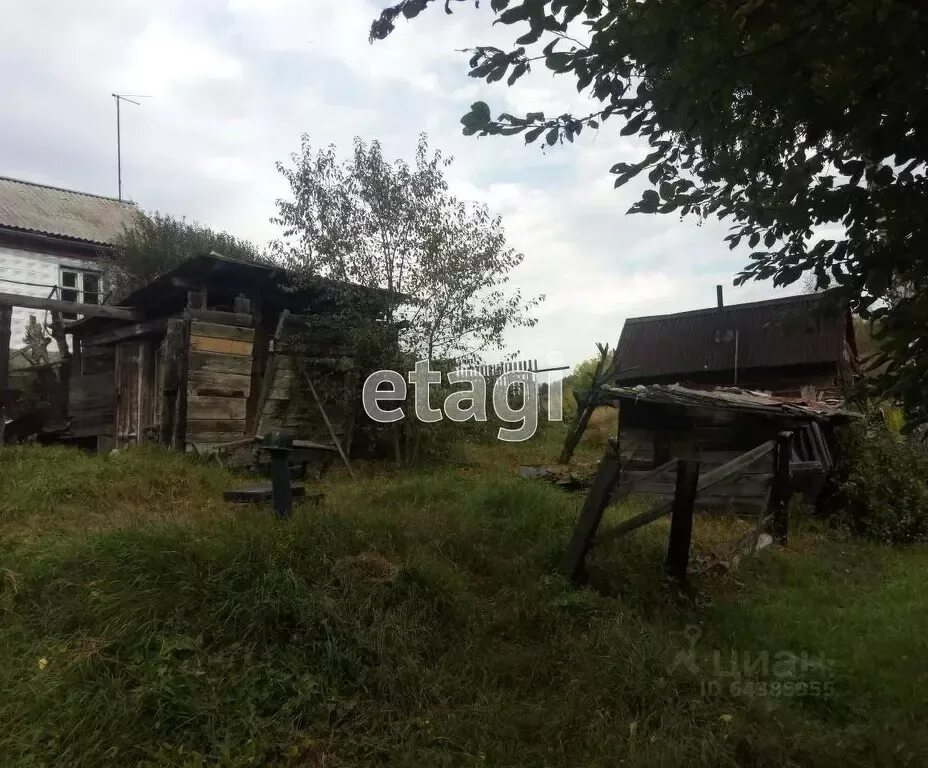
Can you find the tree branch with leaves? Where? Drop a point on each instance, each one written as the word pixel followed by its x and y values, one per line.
pixel 802 124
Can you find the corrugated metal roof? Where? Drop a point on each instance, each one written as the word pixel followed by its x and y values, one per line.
pixel 794 330
pixel 30 207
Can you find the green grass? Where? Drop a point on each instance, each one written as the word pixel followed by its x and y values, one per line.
pixel 417 619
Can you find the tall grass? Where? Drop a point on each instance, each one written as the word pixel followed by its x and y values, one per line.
pixel 415 620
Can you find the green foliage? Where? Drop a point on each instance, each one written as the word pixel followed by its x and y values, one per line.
pixel 160 242
pixel 385 225
pixel 416 620
pixel 781 118
pixel 882 485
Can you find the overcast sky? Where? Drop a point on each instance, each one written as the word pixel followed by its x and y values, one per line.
pixel 234 83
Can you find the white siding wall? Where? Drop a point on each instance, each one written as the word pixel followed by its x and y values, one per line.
pixel 32 267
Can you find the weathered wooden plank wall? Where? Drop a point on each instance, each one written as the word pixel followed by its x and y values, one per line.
pixel 218 381
pixel 127 392
pixel 323 349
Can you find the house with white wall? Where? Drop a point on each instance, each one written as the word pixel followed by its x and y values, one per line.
pixel 51 243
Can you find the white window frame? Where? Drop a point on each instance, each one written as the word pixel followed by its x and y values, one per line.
pixel 79 287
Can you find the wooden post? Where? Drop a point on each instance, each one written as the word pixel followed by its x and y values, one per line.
pixel 61 407
pixel 681 521
pixel 179 419
pixel 780 489
pixel 173 349
pixel 6 319
pixel 586 408
pixel 267 381
pixel 573 566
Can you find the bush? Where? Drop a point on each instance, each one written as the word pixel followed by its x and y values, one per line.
pixel 882 485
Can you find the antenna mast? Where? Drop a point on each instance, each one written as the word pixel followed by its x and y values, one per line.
pixel 118 97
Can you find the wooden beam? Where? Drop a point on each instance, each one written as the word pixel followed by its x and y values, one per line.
pixel 709 479
pixel 573 565
pixel 782 489
pixel 625 489
pixel 71 307
pixel 127 332
pixel 173 352
pixel 681 520
pixel 223 318
pixel 819 437
pixel 6 318
pixel 328 423
pixel 222 331
pixel 267 382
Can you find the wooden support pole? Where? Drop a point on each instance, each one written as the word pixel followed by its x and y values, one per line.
pixel 267 380
pixel 325 418
pixel 6 319
pixel 781 489
pixel 681 521
pixel 173 350
pixel 127 332
pixel 607 477
pixel 70 307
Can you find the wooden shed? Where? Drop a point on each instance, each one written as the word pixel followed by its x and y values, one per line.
pixel 660 424
pixel 221 350
pixel 796 346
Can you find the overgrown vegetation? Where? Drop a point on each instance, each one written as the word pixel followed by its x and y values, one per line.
pixel 881 487
pixel 417 619
pixel 157 244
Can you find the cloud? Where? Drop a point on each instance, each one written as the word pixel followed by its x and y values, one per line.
pixel 236 82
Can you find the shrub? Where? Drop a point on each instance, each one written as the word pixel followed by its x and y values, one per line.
pixel 882 485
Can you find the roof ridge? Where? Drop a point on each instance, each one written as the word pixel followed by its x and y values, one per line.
pixel 66 189
pixel 797 299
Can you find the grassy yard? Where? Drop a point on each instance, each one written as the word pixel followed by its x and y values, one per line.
pixel 416 619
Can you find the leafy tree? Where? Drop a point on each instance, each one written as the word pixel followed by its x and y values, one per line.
pixel 157 244
pixel 803 123
pixel 370 222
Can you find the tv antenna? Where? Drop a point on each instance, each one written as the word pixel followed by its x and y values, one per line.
pixel 131 98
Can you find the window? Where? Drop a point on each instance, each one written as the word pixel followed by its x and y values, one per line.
pixel 80 286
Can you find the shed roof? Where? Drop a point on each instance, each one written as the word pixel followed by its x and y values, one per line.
pixel 727 398
pixel 794 330
pixel 224 278
pixel 29 207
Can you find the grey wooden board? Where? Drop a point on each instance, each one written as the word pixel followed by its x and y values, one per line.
pixel 224 318
pixel 216 362
pixel 217 331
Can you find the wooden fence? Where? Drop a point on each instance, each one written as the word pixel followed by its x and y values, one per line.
pixel 608 489
pixel 495 370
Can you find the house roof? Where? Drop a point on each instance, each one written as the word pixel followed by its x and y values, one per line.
pixel 64 213
pixel 795 330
